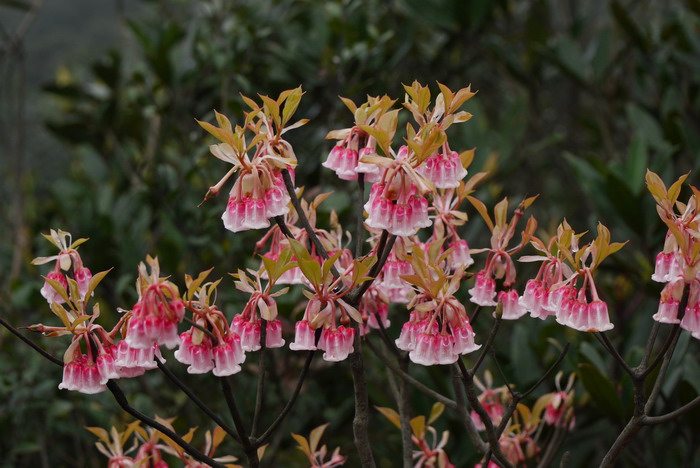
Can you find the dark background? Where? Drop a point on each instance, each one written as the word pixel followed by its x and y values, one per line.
pixel 97 137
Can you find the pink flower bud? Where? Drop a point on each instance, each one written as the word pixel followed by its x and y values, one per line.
pixel 49 293
pixel 82 277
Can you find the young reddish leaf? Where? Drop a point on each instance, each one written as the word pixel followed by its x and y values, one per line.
pixel 435 412
pixel 291 104
pixel 58 287
pixel 481 208
pixel 303 444
pixel 391 415
pixel 315 437
pixel 95 280
pixel 675 188
pixel 79 242
pixel 100 433
pixel 349 104
pixel 418 426
pixel 500 212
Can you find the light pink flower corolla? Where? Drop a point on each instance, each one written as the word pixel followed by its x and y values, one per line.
pixel 255 197
pixel 484 291
pixel 444 170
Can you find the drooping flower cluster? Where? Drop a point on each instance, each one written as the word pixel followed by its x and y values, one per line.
pixel 438 330
pixel 69 265
pixel 327 309
pixel 565 265
pixel 678 264
pixel 153 449
pixel 402 178
pixel 259 192
pixel 92 358
pixel 499 263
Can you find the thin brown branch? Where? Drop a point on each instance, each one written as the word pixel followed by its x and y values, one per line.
pixel 418 385
pixel 290 403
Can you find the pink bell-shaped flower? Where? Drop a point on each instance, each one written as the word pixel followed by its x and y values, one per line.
pixel 143 331
pixel 512 309
pixel 669 302
pixel 106 364
pixel 444 170
pixel 535 298
pixel 666 268
pixel 304 337
pixel 276 201
pixel 484 290
pixel 597 318
pixel 337 343
pixel 407 338
pixel 691 318
pixel 201 357
pixel 228 356
pixel 372 172
pixel 82 276
pixel 426 349
pixel 273 334
pixel 446 354
pixel 464 339
pixel 460 257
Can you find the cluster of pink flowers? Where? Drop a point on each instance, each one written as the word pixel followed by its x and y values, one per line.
pixel 254 199
pixel 522 439
pixel 402 216
pixel 678 264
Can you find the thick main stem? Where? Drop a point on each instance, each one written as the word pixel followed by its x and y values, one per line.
pixel 360 423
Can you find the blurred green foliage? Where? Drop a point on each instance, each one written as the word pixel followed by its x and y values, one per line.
pixel 576 100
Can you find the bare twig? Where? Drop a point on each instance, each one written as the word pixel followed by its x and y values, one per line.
pixel 487 346
pixel 653 420
pixel 607 344
pixel 29 342
pixel 190 394
pixel 359 227
pixel 400 390
pixel 290 403
pixel 124 403
pixel 260 393
pixel 248 447
pixel 464 415
pixel 418 385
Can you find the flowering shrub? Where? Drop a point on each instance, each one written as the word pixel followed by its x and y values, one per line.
pixel 407 265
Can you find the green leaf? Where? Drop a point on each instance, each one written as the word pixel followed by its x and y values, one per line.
pixel 601 390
